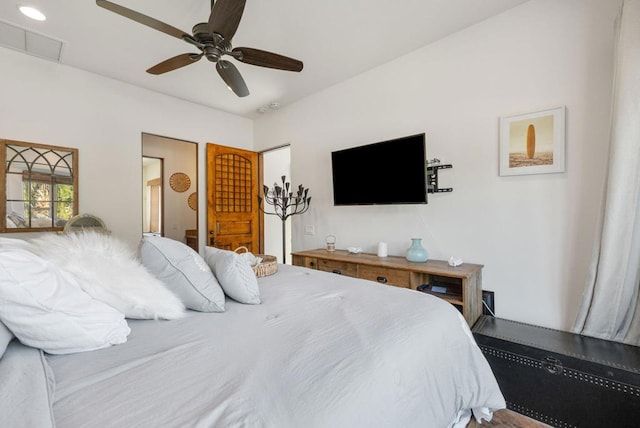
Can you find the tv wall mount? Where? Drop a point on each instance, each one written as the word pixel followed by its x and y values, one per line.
pixel 433 166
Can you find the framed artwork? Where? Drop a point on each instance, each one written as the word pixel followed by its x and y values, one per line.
pixel 180 182
pixel 532 143
pixel 192 201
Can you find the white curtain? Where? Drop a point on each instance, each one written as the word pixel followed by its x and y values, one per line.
pixel 610 307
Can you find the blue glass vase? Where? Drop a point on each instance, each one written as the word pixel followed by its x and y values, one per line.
pixel 417 253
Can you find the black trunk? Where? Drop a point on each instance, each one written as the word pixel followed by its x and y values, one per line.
pixel 560 378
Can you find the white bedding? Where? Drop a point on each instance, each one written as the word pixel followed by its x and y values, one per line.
pixel 322 350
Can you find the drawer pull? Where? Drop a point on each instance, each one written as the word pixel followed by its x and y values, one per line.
pixel 312 264
pixel 552 365
pixel 338 271
pixel 382 279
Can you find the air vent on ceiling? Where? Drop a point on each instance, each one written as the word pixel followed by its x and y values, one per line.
pixel 21 39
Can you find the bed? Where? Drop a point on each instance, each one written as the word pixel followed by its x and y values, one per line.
pixel 319 350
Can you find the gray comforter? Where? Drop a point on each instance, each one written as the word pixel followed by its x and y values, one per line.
pixel 321 350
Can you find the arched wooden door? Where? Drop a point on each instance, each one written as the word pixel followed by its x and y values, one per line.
pixel 232 198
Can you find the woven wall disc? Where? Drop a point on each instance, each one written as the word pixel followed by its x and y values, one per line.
pixel 180 182
pixel 193 201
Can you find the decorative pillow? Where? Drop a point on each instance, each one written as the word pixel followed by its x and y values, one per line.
pixel 107 270
pixel 46 308
pixel 234 274
pixel 5 337
pixel 184 272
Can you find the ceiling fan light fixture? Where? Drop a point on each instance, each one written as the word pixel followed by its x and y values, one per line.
pixel 32 12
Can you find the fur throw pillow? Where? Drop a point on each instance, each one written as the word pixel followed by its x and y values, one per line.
pixel 108 270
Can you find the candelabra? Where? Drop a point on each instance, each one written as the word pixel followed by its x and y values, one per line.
pixel 285 204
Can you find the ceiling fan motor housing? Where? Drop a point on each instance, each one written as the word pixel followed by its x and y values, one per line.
pixel 214 44
pixel 201 33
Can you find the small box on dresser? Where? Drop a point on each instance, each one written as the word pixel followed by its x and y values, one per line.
pixel 560 378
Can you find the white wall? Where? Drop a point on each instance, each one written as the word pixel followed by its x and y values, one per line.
pixel 276 163
pixel 49 103
pixel 533 233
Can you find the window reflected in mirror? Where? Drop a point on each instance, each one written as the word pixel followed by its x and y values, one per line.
pixel 40 186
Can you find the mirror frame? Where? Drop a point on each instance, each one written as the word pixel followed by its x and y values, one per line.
pixel 3 184
pixel 148 149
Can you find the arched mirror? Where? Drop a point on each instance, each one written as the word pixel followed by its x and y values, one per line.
pixel 38 188
pixel 170 188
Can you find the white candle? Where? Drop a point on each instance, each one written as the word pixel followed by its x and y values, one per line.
pixel 382 249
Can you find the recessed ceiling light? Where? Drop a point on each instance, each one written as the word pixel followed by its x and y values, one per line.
pixel 32 13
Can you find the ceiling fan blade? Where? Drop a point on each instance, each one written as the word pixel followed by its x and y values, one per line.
pixel 232 78
pixel 266 59
pixel 225 17
pixel 143 19
pixel 174 63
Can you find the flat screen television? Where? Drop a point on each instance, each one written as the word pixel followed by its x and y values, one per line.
pixel 387 172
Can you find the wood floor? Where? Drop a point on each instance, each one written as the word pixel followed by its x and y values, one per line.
pixel 508 419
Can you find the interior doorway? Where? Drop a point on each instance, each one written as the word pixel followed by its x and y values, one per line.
pixel 276 163
pixel 152 191
pixel 177 189
pixel 233 213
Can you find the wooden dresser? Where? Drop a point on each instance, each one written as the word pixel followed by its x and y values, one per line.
pixel 463 283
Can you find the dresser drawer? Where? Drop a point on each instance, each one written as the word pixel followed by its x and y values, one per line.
pixel 341 268
pixel 397 277
pixel 309 262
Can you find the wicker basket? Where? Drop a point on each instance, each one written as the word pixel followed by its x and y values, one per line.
pixel 268 265
pixel 83 222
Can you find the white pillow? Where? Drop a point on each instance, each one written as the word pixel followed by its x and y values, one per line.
pixel 107 269
pixel 46 308
pixel 184 272
pixel 234 274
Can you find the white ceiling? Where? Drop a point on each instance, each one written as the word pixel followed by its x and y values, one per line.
pixel 335 39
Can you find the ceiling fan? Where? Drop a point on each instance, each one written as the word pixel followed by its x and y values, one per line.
pixel 213 38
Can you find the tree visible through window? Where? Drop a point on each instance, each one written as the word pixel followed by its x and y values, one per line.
pixel 40 186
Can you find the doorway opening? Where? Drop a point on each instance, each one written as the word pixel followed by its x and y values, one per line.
pixel 276 162
pixel 152 218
